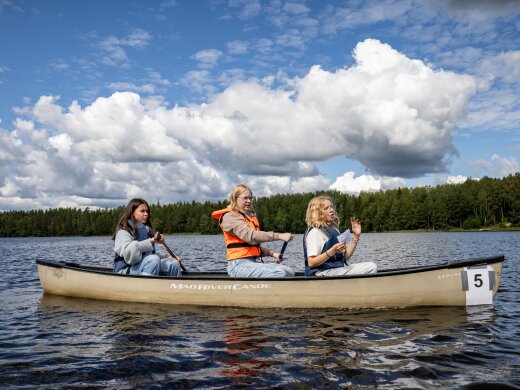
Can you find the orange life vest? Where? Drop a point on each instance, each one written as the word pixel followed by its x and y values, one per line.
pixel 237 248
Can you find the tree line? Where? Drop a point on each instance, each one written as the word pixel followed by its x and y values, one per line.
pixel 474 204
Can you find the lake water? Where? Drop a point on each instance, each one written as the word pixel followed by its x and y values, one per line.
pixel 53 342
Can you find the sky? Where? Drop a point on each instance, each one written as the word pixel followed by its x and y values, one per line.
pixel 179 100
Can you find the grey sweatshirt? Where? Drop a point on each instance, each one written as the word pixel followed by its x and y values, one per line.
pixel 129 248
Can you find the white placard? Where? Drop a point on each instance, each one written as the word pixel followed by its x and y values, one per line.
pixel 478 282
pixel 345 237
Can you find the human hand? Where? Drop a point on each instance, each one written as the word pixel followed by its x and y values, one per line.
pixel 278 257
pixel 339 247
pixel 285 237
pixel 356 226
pixel 158 238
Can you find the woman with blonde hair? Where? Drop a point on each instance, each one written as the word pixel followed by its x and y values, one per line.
pixel 324 254
pixel 243 237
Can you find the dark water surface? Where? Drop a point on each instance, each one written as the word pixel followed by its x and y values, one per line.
pixel 54 342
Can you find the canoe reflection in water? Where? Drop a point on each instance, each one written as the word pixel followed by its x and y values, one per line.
pixel 106 343
pixel 242 358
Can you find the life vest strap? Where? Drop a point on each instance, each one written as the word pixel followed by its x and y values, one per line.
pixel 120 264
pixel 240 245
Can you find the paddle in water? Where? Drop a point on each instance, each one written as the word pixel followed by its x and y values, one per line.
pixel 170 252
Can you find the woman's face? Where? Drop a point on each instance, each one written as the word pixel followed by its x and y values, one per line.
pixel 328 211
pixel 141 213
pixel 245 200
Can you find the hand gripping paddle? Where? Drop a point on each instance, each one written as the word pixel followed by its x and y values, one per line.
pixel 284 246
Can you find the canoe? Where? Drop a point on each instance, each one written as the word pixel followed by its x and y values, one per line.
pixel 456 283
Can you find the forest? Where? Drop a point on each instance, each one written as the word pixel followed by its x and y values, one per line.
pixel 488 203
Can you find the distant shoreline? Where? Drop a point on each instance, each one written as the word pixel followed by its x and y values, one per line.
pixel 493 229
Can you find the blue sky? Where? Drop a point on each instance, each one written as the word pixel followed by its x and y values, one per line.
pixel 102 101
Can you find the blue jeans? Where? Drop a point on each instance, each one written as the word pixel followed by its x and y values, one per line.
pixel 249 268
pixel 149 266
pixel 170 267
pixel 153 265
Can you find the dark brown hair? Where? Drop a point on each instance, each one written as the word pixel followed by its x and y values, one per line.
pixel 129 214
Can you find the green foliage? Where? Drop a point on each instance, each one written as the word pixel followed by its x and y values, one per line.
pixel 472 223
pixel 470 205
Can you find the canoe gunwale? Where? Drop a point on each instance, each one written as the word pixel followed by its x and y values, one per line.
pixel 201 275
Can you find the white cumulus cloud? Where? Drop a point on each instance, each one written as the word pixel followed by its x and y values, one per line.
pixel 458 179
pixel 348 183
pixel 393 114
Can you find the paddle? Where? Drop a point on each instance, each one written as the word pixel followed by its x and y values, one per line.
pixel 284 246
pixel 170 252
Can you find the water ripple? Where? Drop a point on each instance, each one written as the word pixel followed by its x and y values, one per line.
pixel 50 341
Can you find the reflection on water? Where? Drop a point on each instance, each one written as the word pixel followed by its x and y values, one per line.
pixel 136 344
pixel 242 342
pixel 51 341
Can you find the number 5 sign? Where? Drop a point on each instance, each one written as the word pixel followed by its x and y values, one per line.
pixel 478 282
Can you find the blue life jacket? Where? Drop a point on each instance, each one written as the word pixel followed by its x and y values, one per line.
pixel 335 261
pixel 143 233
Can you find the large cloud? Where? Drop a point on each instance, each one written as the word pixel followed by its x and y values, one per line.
pixel 393 114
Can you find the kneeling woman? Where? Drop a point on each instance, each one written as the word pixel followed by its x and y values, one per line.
pixel 134 245
pixel 324 255
pixel 243 238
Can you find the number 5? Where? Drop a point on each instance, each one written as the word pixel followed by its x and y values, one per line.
pixel 478 280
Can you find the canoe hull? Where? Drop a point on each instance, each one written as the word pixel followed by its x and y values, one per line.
pixel 422 286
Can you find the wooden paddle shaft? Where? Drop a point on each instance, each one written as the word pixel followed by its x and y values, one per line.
pixel 170 252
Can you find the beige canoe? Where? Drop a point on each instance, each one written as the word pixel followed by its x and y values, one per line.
pixel 461 283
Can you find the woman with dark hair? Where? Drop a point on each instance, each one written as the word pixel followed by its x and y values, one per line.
pixel 243 237
pixel 135 241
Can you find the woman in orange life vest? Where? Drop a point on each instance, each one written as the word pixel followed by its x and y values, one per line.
pixel 243 237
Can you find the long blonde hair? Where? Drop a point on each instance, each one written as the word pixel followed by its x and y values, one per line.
pixel 233 196
pixel 315 216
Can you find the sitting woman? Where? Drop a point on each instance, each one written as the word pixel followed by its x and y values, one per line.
pixel 134 245
pixel 243 237
pixel 324 254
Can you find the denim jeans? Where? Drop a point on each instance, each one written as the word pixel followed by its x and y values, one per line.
pixel 153 265
pixel 170 267
pixel 249 268
pixel 149 266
